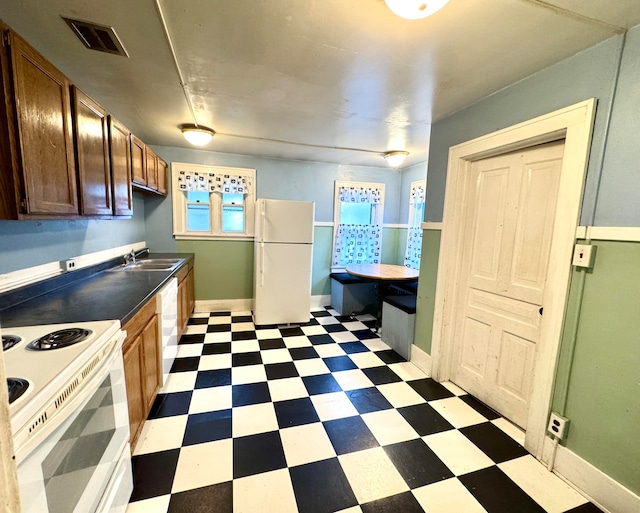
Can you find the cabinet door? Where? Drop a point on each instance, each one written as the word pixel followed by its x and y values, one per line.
pixel 138 161
pixel 45 132
pixel 191 298
pixel 163 176
pixel 152 168
pixel 182 306
pixel 120 157
pixel 132 357
pixel 94 169
pixel 151 361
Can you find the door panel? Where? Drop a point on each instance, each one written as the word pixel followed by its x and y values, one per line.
pixel 284 221
pixel 491 202
pixel 509 216
pixel 475 346
pixel 43 107
pixel 120 157
pixel 282 287
pixel 534 228
pixel 94 167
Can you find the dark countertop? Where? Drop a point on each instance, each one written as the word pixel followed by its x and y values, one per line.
pixel 105 295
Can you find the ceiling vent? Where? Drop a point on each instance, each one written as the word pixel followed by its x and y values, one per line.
pixel 97 37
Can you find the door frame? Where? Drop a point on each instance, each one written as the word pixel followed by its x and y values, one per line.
pixel 573 124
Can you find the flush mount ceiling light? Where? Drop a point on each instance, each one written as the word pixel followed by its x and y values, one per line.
pixel 197 135
pixel 395 158
pixel 415 9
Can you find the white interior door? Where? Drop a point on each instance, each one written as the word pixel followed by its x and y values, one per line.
pixel 509 217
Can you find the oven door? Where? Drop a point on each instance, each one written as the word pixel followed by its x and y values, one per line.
pixel 76 463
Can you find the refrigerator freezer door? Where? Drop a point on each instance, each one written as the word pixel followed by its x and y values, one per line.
pixel 289 222
pixel 282 283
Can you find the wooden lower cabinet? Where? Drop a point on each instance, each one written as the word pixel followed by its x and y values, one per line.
pixel 186 296
pixel 143 375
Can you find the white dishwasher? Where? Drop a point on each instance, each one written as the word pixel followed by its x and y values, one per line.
pixel 167 310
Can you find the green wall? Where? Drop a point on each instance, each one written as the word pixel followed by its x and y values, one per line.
pixel 223 270
pixel 322 246
pixel 601 383
pixel 427 289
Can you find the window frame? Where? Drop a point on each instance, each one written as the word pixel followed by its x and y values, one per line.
pixel 179 205
pixel 379 210
pixel 412 213
pixel 412 209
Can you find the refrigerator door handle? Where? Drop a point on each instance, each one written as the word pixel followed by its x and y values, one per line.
pixel 262 264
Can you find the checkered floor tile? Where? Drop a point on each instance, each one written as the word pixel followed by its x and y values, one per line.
pixel 322 418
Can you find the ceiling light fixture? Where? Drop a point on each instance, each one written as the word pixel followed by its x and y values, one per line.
pixel 415 9
pixel 395 158
pixel 197 135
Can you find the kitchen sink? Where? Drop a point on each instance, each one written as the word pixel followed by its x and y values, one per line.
pixel 150 264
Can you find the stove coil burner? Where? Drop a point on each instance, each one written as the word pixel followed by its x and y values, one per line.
pixel 8 341
pixel 17 387
pixel 59 339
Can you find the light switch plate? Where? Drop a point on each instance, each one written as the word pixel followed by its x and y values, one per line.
pixel 584 255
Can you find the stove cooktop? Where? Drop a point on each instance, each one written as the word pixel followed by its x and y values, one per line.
pixel 8 341
pixel 17 387
pixel 48 371
pixel 59 339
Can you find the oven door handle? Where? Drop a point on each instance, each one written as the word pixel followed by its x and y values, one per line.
pixel 46 420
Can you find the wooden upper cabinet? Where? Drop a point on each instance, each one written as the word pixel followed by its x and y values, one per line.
pixel 152 169
pixel 163 176
pixel 120 158
pixel 94 169
pixel 138 161
pixel 45 133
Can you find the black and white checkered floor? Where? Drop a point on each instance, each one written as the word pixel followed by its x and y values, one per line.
pixel 324 418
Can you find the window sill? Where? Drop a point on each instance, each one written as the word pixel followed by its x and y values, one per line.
pixel 190 236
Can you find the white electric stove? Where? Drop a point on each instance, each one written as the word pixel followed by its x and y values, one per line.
pixel 70 418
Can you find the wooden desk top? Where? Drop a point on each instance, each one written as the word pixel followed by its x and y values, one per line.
pixel 383 272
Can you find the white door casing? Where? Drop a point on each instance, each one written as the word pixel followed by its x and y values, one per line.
pixel 574 124
pixel 508 214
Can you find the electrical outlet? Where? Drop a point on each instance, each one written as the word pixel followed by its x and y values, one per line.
pixel 558 425
pixel 584 255
pixel 69 265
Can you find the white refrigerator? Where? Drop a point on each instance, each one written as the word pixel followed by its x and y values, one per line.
pixel 282 264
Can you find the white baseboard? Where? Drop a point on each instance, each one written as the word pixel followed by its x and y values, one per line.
pixel 421 359
pixel 601 489
pixel 431 226
pixel 23 277
pixel 320 301
pixel 224 305
pixel 241 305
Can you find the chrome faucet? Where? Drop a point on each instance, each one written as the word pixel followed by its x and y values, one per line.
pixel 130 258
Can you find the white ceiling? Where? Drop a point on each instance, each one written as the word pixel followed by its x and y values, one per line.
pixel 333 73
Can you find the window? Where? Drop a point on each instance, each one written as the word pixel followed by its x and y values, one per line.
pixel 211 202
pixel 358 214
pixel 414 233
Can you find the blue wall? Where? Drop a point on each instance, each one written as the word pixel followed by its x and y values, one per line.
pixel 588 74
pixel 26 244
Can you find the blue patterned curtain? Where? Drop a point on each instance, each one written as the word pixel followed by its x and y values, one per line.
pixel 357 244
pixel 360 195
pixel 417 194
pixel 214 182
pixel 414 248
pixel 414 235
